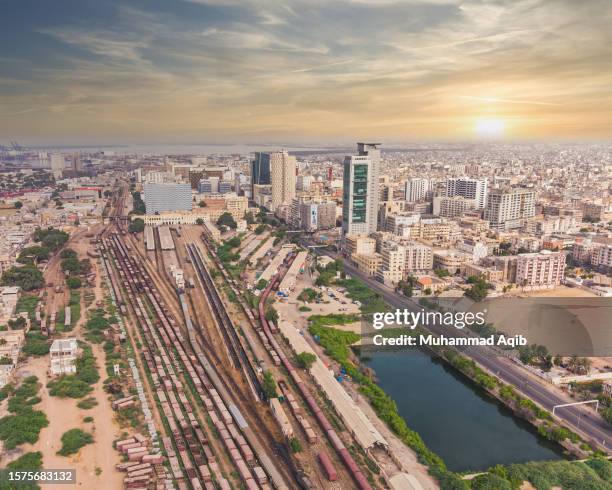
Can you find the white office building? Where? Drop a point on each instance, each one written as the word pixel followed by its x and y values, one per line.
pixel 416 189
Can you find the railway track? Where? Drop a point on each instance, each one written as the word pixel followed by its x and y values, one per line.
pixel 198 369
pixel 237 352
pixel 279 357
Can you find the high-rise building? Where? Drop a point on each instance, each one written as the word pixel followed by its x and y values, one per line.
pixel 260 169
pixel 57 165
pixel 476 189
pixel 416 189
pixel 451 207
pixel 508 208
pixel 282 178
pixel 372 151
pixel 167 197
pixel 360 190
pixel 76 163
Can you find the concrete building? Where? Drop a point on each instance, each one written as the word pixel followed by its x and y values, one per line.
pixel 57 165
pixel 282 178
pixel 508 209
pixel 317 215
pixel 393 263
pixel 419 258
pixel 416 189
pixel 601 257
pixel 368 264
pixel 360 245
pixel 475 189
pixel 209 185
pixel 394 222
pixel 167 197
pixel 452 207
pixel 63 355
pixel 451 260
pixel 540 270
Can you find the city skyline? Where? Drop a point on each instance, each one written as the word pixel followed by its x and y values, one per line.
pixel 213 70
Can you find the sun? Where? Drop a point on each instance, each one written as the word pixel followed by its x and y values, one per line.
pixel 488 128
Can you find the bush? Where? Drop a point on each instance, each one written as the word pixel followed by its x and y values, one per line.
pixel 68 253
pixel 226 219
pixel 305 359
pixel 51 238
pixel 137 225
pixel 73 440
pixel 30 255
pixel 22 427
pixel 36 344
pixel 73 282
pixel 269 385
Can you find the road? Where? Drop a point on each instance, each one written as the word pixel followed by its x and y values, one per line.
pixel 578 418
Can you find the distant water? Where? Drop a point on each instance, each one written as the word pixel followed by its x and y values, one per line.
pixel 468 429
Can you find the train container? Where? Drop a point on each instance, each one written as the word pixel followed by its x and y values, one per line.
pixel 224 484
pixel 134 449
pixel 138 467
pixel 260 475
pixel 126 447
pixel 136 456
pixel 248 453
pixel 143 472
pixel 328 467
pixel 195 484
pixel 251 484
pixel 243 469
pixel 120 444
pixel 205 473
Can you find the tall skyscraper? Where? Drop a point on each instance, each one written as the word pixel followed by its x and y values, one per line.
pixel 507 208
pixel 260 169
pixel 476 189
pixel 57 165
pixel 360 195
pixel 416 189
pixel 167 197
pixel 282 178
pixel 372 151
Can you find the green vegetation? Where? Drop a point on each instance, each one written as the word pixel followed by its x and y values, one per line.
pixel 51 238
pixel 24 423
pixel 27 304
pixel 96 324
pixel 199 221
pixel 73 440
pixel 36 344
pixel 304 308
pixel 331 319
pixel 261 284
pixel 75 309
pixel 227 220
pixel 87 403
pixel 309 295
pixel 88 420
pixel 27 462
pixel 77 385
pixel 138 204
pixel 328 273
pixel 441 273
pixel 68 253
pixel 295 445
pixel 269 385
pixel 370 301
pixel 137 225
pixel 305 359
pixel 32 255
pixel 260 229
pixel 71 265
pixel 271 314
pixel 479 290
pixel 27 278
pixel 73 282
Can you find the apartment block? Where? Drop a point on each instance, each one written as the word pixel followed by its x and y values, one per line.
pixel 540 270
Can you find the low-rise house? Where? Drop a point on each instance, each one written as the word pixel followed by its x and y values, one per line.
pixel 63 355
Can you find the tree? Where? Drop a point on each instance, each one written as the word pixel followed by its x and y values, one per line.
pixel 36 253
pixel 199 221
pixel 136 226
pixel 27 278
pixel 250 219
pixel 73 282
pixel 260 229
pixel 479 289
pixel 305 359
pixel 68 253
pixel 271 315
pixel 202 204
pixel 18 204
pixel 261 284
pixel 269 385
pixel 226 219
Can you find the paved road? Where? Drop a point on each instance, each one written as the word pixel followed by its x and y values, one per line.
pixel 579 418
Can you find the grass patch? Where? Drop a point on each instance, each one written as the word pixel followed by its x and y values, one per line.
pixel 87 403
pixel 36 344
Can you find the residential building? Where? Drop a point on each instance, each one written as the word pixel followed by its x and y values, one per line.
pixel 540 270
pixel 508 209
pixel 452 207
pixel 57 165
pixel 475 189
pixel 282 179
pixel 416 189
pixel 419 258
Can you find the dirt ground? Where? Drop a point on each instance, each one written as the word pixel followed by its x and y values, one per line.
pixel 558 292
pixel 94 463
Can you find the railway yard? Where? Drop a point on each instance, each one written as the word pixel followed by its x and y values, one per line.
pixel 210 383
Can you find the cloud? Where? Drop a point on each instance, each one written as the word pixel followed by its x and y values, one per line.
pixel 218 68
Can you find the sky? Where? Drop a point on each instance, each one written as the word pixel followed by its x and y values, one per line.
pixel 324 71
